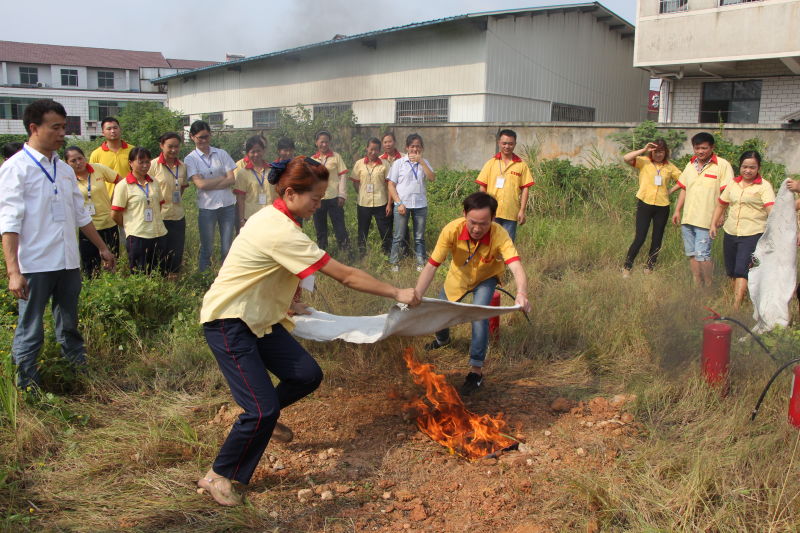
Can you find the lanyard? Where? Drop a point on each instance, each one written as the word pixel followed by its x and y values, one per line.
pixel 414 170
pixel 51 180
pixel 259 178
pixel 471 252
pixel 145 190
pixel 174 174
pixel 89 186
pixel 210 154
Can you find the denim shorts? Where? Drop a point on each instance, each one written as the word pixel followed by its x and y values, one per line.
pixel 696 242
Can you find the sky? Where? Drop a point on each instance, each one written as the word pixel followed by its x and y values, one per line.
pixel 208 29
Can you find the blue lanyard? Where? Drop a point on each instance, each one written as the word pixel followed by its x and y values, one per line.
pixel 89 186
pixel 145 190
pixel 416 177
pixel 472 254
pixel 263 176
pixel 210 154
pixel 174 174
pixel 51 180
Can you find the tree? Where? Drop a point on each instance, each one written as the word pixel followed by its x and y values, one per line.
pixel 143 123
pixel 646 132
pixel 297 124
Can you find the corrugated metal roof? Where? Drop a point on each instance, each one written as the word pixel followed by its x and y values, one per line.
pixel 189 63
pixel 589 6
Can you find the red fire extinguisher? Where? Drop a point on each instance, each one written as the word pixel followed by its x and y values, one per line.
pixel 494 322
pixel 716 355
pixel 794 398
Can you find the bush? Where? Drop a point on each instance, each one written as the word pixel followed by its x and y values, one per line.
pixel 143 123
pixel 298 125
pixel 646 132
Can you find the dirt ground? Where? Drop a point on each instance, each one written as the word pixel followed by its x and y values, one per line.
pixel 359 463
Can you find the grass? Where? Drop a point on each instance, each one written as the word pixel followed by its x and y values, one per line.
pixel 122 449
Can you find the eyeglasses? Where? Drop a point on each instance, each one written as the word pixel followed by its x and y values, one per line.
pixel 202 137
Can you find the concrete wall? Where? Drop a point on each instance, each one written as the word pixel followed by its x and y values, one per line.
pixel 468 146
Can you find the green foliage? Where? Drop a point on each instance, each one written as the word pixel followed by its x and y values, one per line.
pixel 6 138
pixel 298 125
pixel 143 123
pixel 232 141
pixel 646 132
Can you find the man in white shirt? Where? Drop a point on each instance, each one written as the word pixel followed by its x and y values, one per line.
pixel 40 208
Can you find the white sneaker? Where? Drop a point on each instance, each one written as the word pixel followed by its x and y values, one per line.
pixel 419 268
pixel 394 268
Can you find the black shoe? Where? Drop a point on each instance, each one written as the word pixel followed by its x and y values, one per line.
pixel 471 383
pixel 435 345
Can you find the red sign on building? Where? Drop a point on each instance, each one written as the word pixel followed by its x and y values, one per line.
pixel 653 100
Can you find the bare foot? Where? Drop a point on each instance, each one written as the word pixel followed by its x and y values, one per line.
pixel 221 489
pixel 282 433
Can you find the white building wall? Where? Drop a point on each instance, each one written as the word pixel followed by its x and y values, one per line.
pixel 568 58
pixel 467 108
pixel 516 109
pixel 374 111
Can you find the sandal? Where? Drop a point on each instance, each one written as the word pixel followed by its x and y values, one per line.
pixel 221 489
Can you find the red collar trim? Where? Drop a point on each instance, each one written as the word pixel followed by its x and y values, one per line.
pixel 89 168
pixel 250 166
pixel 130 178
pixel 387 155
pixel 514 157
pixel 712 160
pixel 105 147
pixel 757 181
pixel 163 160
pixel 280 205
pixel 367 161
pixel 319 154
pixel 486 239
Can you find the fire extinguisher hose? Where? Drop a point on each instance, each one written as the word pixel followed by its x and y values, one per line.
pixel 769 384
pixel 717 316
pixel 513 297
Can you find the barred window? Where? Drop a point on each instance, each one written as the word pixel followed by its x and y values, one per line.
pixel 69 77
pixel 733 2
pixel 422 110
pixel 185 121
pixel 328 110
pixel 673 6
pixel 105 79
pixel 571 113
pixel 28 75
pixel 100 109
pixel 215 120
pixel 731 101
pixel 265 118
pixel 12 108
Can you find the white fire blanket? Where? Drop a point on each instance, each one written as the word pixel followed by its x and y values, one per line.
pixel 429 316
pixel 772 281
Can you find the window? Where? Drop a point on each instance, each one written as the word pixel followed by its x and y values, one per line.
pixel 731 101
pixel 105 79
pixel 571 113
pixel 185 121
pixel 100 109
pixel 73 126
pixel 265 118
pixel 215 120
pixel 328 110
pixel 422 110
pixel 673 6
pixel 28 75
pixel 732 2
pixel 69 77
pixel 12 108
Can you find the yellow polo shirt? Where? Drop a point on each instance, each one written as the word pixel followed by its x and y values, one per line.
pixel 247 184
pixel 505 183
pixel 99 178
pixel 747 213
pixel 649 174
pixel 261 273
pixel 130 198
pixel 703 189
pixel 472 262
pixel 391 158
pixel 371 178
pixel 241 163
pixel 170 180
pixel 116 161
pixel 337 187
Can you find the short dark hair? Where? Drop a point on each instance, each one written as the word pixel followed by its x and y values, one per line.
pixel 169 135
pixel 750 154
pixel 11 148
pixel 285 143
pixel 198 126
pixel 35 111
pixel 374 140
pixel 320 133
pixel 388 134
pixel 703 137
pixel 138 153
pixel 480 200
pixel 507 133
pixel 73 149
pixel 255 140
pixel 107 120
pixel 414 137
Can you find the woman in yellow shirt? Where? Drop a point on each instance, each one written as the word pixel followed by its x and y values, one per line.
pixel 253 191
pixel 246 319
pixel 748 199
pixel 137 208
pixel 170 174
pixel 652 207
pixel 92 180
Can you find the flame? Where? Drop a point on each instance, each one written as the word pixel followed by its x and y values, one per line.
pixel 445 419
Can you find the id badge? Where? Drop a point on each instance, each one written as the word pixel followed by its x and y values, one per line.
pixel 148 214
pixel 176 197
pixel 90 208
pixel 262 199
pixel 658 180
pixel 57 208
pixel 370 187
pixel 500 182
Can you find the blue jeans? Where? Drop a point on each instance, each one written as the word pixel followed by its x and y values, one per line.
pixel 509 225
pixel 481 295
pixel 696 242
pixel 64 287
pixel 206 219
pixel 400 225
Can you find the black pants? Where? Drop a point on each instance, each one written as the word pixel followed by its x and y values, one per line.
pixel 90 255
pixel 245 361
pixel 738 254
pixel 331 207
pixel 145 255
pixel 646 213
pixel 384 223
pixel 173 245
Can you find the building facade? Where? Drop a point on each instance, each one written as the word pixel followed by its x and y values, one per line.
pixel 91 83
pixel 735 61
pixel 567 63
